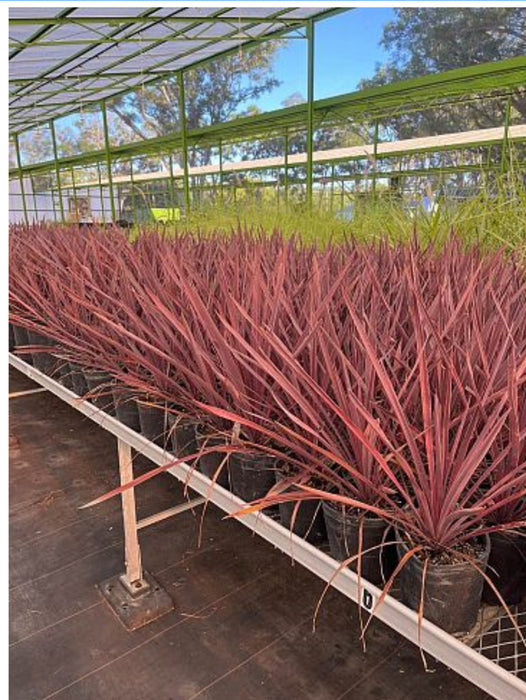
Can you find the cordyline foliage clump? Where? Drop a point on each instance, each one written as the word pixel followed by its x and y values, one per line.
pixel 390 378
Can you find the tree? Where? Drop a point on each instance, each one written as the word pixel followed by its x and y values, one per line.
pixel 214 93
pixel 431 40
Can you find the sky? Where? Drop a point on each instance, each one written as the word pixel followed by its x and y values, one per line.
pixel 346 50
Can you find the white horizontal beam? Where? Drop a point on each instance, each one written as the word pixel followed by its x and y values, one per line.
pixel 463 139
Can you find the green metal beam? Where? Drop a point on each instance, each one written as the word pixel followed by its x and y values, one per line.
pixel 42 31
pixel 246 45
pixel 21 179
pixel 295 117
pixel 107 148
pixel 211 19
pixel 170 59
pixel 506 140
pixel 375 156
pixel 80 54
pixel 221 191
pixel 57 170
pixel 182 123
pixel 286 181
pixel 310 109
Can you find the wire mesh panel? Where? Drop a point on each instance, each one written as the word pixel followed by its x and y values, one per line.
pixel 499 638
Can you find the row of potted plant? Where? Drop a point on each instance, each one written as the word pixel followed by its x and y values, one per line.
pixel 383 386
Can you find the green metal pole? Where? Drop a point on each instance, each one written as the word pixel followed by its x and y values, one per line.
pixel 286 182
pixel 375 156
pixel 101 192
pixel 52 192
pixel 21 177
pixel 74 188
pixel 57 170
pixel 182 122
pixel 221 193
pixel 331 206
pixel 132 192
pixel 35 205
pixel 108 158
pixel 505 162
pixel 310 108
pixel 172 179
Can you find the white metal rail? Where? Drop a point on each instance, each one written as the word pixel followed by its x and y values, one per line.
pixel 465 660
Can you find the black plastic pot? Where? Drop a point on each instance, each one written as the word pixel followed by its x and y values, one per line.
pixel 100 382
pixel 21 340
pixel 452 592
pixel 210 463
pixel 153 422
pixel 77 379
pixel 126 406
pixel 309 522
pixel 506 568
pixel 182 433
pixel 43 361
pixel 251 475
pixel 343 531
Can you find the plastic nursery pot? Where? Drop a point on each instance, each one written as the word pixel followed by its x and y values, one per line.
pixel 343 532
pixel 100 382
pixel 452 591
pixel 506 568
pixel 309 522
pixel 182 433
pixel 210 463
pixel 76 376
pixel 125 406
pixel 43 361
pixel 21 339
pixel 153 423
pixel 251 475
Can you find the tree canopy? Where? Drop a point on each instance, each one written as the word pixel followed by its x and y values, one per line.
pixel 428 40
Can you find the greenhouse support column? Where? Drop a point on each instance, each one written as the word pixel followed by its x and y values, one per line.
pixel 53 203
pixel 286 181
pixel 33 197
pixel 506 155
pixel 331 205
pixel 21 177
pixel 57 169
pixel 134 208
pixel 221 193
pixel 108 158
pixel 310 108
pixel 172 180
pixel 101 192
pixel 75 198
pixel 182 120
pixel 375 156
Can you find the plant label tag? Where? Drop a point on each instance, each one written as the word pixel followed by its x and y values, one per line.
pixel 367 600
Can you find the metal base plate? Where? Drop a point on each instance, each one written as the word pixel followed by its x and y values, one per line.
pixel 135 611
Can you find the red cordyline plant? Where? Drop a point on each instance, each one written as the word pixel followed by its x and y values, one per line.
pixel 359 363
pixel 436 421
pixel 52 277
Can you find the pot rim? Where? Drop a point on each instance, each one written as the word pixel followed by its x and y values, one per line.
pixel 480 558
pixel 337 507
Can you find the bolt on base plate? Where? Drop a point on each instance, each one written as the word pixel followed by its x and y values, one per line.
pixel 136 605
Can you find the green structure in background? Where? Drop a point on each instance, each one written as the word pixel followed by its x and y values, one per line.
pixel 130 195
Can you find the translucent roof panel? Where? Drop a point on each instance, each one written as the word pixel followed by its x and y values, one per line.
pixel 90 53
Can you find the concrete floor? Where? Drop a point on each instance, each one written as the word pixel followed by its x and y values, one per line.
pixel 242 625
